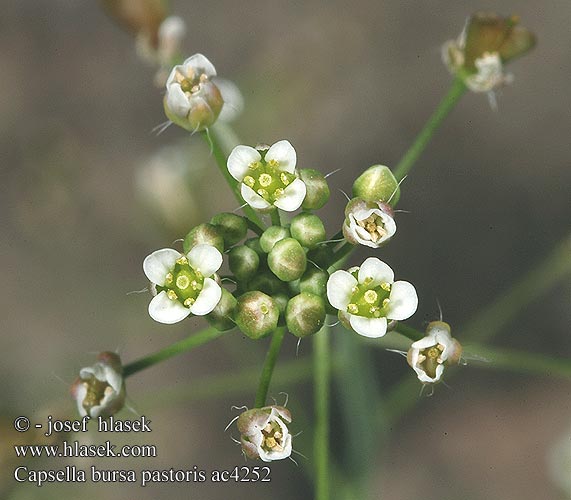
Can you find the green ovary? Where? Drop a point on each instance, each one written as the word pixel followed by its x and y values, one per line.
pixel 183 283
pixel 267 180
pixel 370 302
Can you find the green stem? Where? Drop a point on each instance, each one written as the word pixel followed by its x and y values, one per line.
pixel 214 142
pixel 321 359
pixel 413 153
pixel 196 340
pixel 268 368
pixel 275 216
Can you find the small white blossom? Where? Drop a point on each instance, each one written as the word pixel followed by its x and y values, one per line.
pixel 264 433
pixel 368 223
pixel 367 297
pixel 192 100
pixel 184 283
pixel 100 389
pixel 170 35
pixel 268 176
pixel 429 355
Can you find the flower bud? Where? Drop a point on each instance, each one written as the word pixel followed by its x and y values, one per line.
pixel 232 227
pixel 308 230
pixel 256 314
pixel 266 282
pixel 221 316
pixel 314 281
pixel 368 223
pixel 203 234
pixel 100 389
pixel 317 189
pixel 254 244
pixel 192 100
pixel 430 355
pixel 287 260
pixel 264 433
pixel 377 183
pixel 243 262
pixel 271 236
pixel 305 314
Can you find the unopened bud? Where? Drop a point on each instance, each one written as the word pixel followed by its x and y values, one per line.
pixel 287 260
pixel 308 230
pixel 254 244
pixel 256 314
pixel 305 314
pixel 317 189
pixel 271 236
pixel 232 227
pixel 221 316
pixel 203 234
pixel 243 262
pixel 377 183
pixel 314 281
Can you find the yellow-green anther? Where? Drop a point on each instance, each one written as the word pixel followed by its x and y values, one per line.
pixel 169 278
pixel 182 260
pixel 249 181
pixel 370 296
pixel 188 302
pixel 186 85
pixel 386 302
pixel 284 179
pixel 368 280
pixel 263 193
pixel 278 192
pixel 171 294
pixel 254 165
pixel 182 282
pixel 274 163
pixel 386 287
pixel 352 308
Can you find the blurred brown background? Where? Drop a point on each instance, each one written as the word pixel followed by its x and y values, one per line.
pixel 349 84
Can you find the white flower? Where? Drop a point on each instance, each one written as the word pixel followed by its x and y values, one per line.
pixel 429 355
pixel 184 282
pixel 368 223
pixel 368 297
pixel 100 389
pixel 192 99
pixel 264 433
pixel 489 74
pixel 268 177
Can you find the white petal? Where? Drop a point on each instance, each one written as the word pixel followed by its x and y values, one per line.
pixel 254 199
pixel 339 289
pixel 79 394
pixel 233 100
pixel 269 456
pixel 284 153
pixel 176 101
pixel 293 196
pixel 114 379
pixel 403 301
pixel 207 299
pixel 157 265
pixel 201 64
pixel 368 327
pixel 205 258
pixel 376 269
pixel 424 342
pixel 167 311
pixel 240 159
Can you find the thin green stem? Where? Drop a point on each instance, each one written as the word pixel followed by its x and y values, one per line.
pixel 268 368
pixel 321 360
pixel 275 216
pixel 196 340
pixel 212 138
pixel 423 138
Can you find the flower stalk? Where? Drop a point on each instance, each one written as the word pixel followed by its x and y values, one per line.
pixel 321 379
pixel 268 368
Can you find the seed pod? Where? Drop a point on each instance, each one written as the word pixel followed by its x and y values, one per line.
pixel 203 234
pixel 256 314
pixel 232 227
pixel 308 229
pixel 287 260
pixel 305 314
pixel 317 189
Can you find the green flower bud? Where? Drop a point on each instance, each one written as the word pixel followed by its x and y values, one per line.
pixel 281 300
pixel 287 260
pixel 308 230
pixel 271 236
pixel 266 282
pixel 377 183
pixel 221 316
pixel 256 314
pixel 206 234
pixel 314 281
pixel 254 244
pixel 305 314
pixel 243 262
pixel 317 189
pixel 232 227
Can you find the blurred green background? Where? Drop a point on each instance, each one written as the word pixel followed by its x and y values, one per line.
pixel 87 191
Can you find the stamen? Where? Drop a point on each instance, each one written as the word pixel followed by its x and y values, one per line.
pixel 284 179
pixel 171 294
pixel 386 302
pixel 274 163
pixel 188 302
pixel 278 192
pixel 169 278
pixel 249 181
pixel 386 287
pixel 182 260
pixel 368 280
pixel 263 193
pixel 352 308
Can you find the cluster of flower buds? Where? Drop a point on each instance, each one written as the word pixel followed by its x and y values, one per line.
pixel 486 44
pixel 99 391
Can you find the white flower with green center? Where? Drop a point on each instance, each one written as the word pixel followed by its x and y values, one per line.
pixel 100 389
pixel 368 223
pixel 183 284
pixel 268 176
pixel 429 355
pixel 192 100
pixel 368 297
